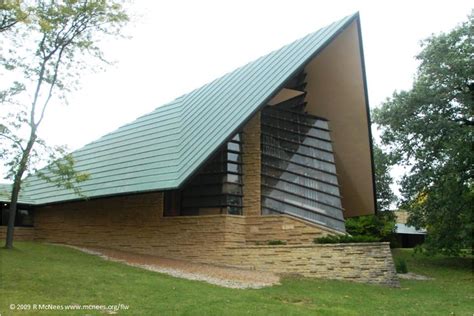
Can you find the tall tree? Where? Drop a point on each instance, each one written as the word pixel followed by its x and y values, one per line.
pixel 46 57
pixel 430 130
pixel 383 179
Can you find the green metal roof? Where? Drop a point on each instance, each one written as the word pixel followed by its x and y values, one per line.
pixel 160 150
pixel 5 195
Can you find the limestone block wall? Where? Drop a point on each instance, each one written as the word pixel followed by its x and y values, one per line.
pixel 252 160
pixel 365 263
pixel 292 231
pixel 136 224
pixel 20 233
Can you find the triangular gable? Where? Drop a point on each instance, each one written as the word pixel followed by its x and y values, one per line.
pixel 162 149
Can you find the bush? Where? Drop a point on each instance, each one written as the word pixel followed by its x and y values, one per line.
pixel 381 225
pixel 276 242
pixel 344 239
pixel 401 266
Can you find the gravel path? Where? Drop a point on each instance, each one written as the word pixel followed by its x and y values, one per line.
pixel 413 276
pixel 222 276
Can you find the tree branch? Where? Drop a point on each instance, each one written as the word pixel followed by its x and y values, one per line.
pixel 13 140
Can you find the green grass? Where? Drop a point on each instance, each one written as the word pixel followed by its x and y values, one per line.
pixel 45 274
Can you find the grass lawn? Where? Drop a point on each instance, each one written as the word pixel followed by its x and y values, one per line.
pixel 36 273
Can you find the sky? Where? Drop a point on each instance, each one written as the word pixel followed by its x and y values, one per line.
pixel 177 46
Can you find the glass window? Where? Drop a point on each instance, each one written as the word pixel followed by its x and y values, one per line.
pixel 231 188
pixel 234 210
pixel 24 216
pixel 172 203
pixel 234 157
pixel 233 146
pixel 234 168
pixel 236 138
pixel 234 178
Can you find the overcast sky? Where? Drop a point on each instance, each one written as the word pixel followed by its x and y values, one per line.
pixel 177 46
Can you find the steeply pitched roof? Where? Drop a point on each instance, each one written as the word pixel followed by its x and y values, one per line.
pixel 162 149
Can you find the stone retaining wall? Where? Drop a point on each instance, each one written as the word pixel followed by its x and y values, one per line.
pixel 363 262
pixel 136 224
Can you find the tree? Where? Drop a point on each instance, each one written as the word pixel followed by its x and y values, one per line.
pixel 46 58
pixel 429 129
pixel 383 180
pixel 11 13
pixel 382 224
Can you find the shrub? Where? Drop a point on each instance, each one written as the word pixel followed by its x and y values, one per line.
pixel 401 266
pixel 380 225
pixel 276 242
pixel 344 239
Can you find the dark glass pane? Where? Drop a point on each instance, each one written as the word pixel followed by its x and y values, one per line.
pixel 299 139
pixel 305 192
pixel 282 207
pixel 234 200
pixel 4 215
pixel 234 210
pixel 218 185
pixel 299 169
pixel 172 203
pixel 24 217
pixel 202 190
pixel 298 148
pixel 297 158
pixel 301 180
pixel 230 188
pixel 204 201
pixel 298 173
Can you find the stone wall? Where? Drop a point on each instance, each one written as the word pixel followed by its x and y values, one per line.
pixel 365 263
pixel 135 224
pixel 252 160
pixel 291 230
pixel 20 233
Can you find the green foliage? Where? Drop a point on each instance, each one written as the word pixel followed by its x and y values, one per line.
pixel 401 265
pixel 11 13
pixel 380 225
pixel 383 180
pixel 429 129
pixel 45 58
pixel 276 242
pixel 344 239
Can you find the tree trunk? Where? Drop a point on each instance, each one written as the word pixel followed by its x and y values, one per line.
pixel 16 190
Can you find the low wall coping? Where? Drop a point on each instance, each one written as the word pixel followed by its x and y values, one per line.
pixel 365 244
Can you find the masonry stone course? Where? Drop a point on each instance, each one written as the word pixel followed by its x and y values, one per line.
pixel 135 223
